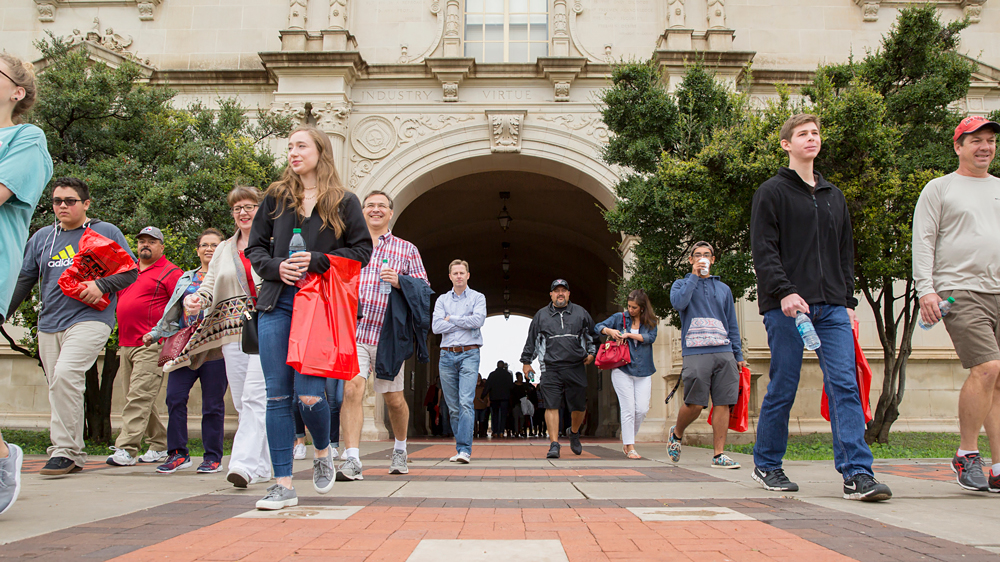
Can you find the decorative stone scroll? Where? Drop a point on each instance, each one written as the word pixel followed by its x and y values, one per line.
pixel 294 109
pixel 47 8
pixel 332 116
pixel 973 9
pixel 589 124
pixel 505 130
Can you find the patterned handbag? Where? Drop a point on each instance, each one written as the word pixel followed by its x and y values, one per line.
pixel 612 354
pixel 174 346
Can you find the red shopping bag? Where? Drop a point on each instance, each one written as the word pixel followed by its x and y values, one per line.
pixel 864 374
pixel 739 415
pixel 324 322
pixel 97 258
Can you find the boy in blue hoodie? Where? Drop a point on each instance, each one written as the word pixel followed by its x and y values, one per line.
pixel 712 351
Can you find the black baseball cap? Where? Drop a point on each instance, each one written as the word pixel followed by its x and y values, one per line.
pixel 559 282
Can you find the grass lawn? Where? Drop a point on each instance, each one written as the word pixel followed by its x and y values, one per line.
pixel 35 443
pixel 819 446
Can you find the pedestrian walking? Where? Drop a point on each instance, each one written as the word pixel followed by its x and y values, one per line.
pixel 803 256
pixel 226 296
pixel 71 333
pixel 633 381
pixel 561 337
pixel 311 197
pixel 211 373
pixel 498 387
pixel 25 168
pixel 956 249
pixel 712 352
pixel 482 405
pixel 459 316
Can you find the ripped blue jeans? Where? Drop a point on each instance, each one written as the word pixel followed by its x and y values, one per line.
pixel 285 383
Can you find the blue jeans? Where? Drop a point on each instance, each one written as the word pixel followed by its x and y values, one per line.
pixel 213 407
pixel 285 383
pixel 851 454
pixel 459 373
pixel 335 397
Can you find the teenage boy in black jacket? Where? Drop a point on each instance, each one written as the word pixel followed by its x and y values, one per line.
pixel 803 255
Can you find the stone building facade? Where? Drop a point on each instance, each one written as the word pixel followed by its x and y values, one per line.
pixel 461 108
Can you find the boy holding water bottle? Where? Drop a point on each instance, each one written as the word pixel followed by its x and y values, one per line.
pixel 803 255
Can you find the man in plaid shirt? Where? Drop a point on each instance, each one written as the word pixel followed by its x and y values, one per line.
pixel 391 258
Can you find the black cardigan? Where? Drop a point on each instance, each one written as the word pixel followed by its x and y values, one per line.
pixel 266 255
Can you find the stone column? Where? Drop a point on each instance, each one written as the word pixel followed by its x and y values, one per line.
pixel 452 30
pixel 560 30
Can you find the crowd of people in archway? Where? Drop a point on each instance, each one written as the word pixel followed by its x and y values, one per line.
pixel 228 322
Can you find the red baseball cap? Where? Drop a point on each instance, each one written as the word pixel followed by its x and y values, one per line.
pixel 973 123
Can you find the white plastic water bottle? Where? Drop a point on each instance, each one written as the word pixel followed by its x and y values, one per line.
pixel 944 305
pixel 807 331
pixel 384 286
pixel 298 244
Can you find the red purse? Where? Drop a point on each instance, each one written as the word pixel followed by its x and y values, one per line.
pixel 612 354
pixel 174 345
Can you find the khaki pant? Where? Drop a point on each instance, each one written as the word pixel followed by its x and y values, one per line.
pixel 142 380
pixel 66 356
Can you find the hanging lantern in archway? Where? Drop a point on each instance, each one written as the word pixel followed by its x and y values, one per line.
pixel 506 294
pixel 506 314
pixel 504 217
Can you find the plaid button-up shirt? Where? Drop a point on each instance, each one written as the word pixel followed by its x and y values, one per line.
pixel 403 259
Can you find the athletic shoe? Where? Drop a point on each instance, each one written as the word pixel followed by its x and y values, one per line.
pixel 209 467
pixel 299 451
pixel 574 443
pixel 723 461
pixel 324 474
pixel 774 480
pixel 277 497
pixel 343 455
pixel 333 453
pixel 969 471
pixel 10 477
pixel 121 458
pixel 58 466
pixel 176 462
pixel 350 470
pixel 260 479
pixel 398 465
pixel 463 458
pixel 674 445
pixel 152 456
pixel 553 450
pixel 864 487
pixel 238 478
pixel 994 482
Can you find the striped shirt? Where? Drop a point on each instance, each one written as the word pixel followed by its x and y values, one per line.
pixel 404 259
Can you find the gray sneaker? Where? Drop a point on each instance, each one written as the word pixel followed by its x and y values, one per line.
pixel 277 497
pixel 398 465
pixel 10 477
pixel 350 470
pixel 324 474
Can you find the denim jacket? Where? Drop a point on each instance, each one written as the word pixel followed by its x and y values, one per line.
pixel 641 352
pixel 171 321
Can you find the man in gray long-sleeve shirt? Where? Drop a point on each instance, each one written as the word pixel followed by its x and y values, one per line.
pixel 71 334
pixel 956 254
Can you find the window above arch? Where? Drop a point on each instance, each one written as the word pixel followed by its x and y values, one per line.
pixel 499 31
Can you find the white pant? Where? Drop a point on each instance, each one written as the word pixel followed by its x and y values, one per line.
pixel 633 399
pixel 246 382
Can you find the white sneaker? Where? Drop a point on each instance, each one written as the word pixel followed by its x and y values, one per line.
pixel 463 458
pixel 121 458
pixel 343 455
pixel 455 458
pixel 333 453
pixel 153 456
pixel 299 452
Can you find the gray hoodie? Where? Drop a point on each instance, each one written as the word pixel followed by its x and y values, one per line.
pixel 48 254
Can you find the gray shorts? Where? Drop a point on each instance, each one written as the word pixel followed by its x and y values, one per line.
pixel 714 375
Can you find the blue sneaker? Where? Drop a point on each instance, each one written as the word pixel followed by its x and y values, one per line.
pixel 674 446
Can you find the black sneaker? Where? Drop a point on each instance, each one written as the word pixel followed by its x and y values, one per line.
pixel 864 487
pixel 553 450
pixel 58 466
pixel 574 443
pixel 970 472
pixel 774 480
pixel 994 482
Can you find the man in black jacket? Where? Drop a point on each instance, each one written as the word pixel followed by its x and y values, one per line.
pixel 498 387
pixel 803 254
pixel 561 336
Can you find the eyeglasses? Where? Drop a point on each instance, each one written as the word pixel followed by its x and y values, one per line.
pixel 207 245
pixel 241 208
pixel 9 78
pixel 69 201
pixel 376 206
pixel 701 255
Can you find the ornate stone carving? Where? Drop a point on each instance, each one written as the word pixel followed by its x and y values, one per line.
pixel 562 91
pixel 559 21
pixel 973 9
pixel 338 14
pixel 607 51
pixel 716 14
pixel 109 40
pixel 46 12
pixel 296 110
pixel 404 56
pixel 450 90
pixel 589 124
pixel 374 137
pixel 505 130
pixel 676 16
pixel 145 11
pixel 360 168
pixel 297 14
pixel 452 26
pixel 869 10
pixel 332 116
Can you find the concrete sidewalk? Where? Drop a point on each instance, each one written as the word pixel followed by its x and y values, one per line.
pixel 510 501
